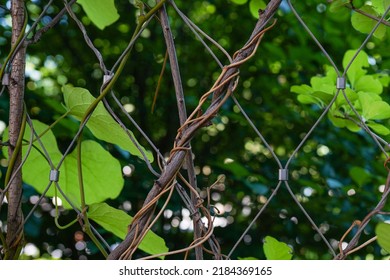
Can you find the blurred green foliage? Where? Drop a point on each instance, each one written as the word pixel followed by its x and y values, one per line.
pixel 337 174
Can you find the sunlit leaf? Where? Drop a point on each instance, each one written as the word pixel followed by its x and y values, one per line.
pixel 372 107
pixel 323 84
pixel 37 163
pixel 351 95
pixel 101 12
pixel 306 95
pixel 355 70
pixel 101 124
pixel 247 259
pixel 383 78
pixel 379 128
pixel 380 6
pixel 276 250
pixel 102 174
pixel 302 89
pixel 337 5
pixel 255 6
pixel 239 2
pixel 117 221
pixel 382 231
pixel 365 24
pixel 307 99
pixel 368 83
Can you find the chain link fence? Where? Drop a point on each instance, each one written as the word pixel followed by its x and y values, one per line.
pixel 169 170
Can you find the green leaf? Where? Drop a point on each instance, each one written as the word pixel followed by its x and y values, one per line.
pixel 276 250
pixel 239 2
pixel 351 95
pixel 379 128
pixel 336 5
pixel 372 107
pixel 307 99
pixel 302 89
pixel 380 6
pixel 307 95
pixel 369 83
pixel 323 84
pixel 382 231
pixel 236 168
pixel 383 78
pixel 352 126
pixel 336 118
pixel 339 120
pixel 101 124
pixel 365 24
pixel 359 175
pixel 102 174
pixel 247 259
pixel 36 162
pixel 355 71
pixel 255 6
pixel 117 221
pixel 101 12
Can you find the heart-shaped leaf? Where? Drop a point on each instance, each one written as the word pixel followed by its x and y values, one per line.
pixel 276 250
pixel 116 221
pixel 102 175
pixel 101 124
pixel 101 12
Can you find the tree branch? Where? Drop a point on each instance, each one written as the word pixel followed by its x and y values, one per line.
pixel 14 238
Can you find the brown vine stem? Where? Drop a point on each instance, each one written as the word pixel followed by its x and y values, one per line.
pixel 223 90
pixel 351 247
pixel 182 118
pixel 14 238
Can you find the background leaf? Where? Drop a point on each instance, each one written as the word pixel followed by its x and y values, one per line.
pixel 101 12
pixel 255 6
pixel 382 230
pixel 337 5
pixel 239 2
pixel 359 175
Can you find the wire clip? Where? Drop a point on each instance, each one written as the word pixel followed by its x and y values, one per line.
pixel 341 83
pixel 54 175
pixel 283 174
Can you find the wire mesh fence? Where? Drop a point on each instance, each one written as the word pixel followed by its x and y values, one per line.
pixel 174 173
